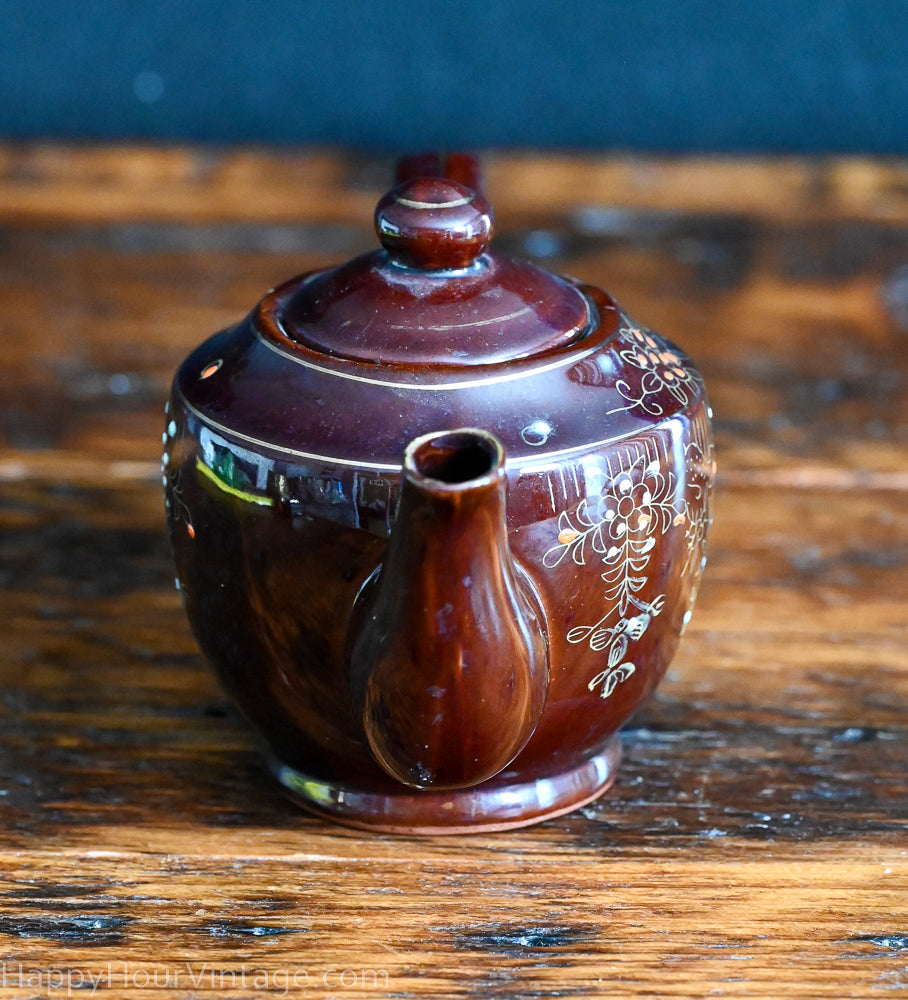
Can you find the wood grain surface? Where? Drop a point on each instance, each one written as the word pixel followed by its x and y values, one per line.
pixel 756 843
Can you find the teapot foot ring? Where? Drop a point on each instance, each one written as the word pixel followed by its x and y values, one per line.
pixel 501 803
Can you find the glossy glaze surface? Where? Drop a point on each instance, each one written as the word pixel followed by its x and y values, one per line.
pixel 583 550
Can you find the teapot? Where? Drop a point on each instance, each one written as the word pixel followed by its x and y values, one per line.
pixel 438 517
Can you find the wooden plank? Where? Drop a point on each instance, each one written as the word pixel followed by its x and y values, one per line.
pixel 774 697
pixel 808 374
pixel 755 843
pixel 575 925
pixel 85 183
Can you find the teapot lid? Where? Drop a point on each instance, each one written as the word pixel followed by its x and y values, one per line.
pixel 434 295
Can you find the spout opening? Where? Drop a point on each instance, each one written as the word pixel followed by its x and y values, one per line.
pixel 455 458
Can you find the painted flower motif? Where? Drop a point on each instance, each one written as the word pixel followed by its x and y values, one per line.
pixel 620 529
pixel 701 470
pixel 656 368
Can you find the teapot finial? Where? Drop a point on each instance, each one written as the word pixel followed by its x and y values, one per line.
pixel 434 223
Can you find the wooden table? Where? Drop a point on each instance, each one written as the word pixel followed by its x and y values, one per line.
pixel 755 844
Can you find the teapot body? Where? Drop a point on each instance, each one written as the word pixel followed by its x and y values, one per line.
pixel 282 474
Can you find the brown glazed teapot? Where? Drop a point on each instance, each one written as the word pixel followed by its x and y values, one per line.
pixel 439 518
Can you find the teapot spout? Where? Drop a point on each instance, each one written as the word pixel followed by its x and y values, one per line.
pixel 449 655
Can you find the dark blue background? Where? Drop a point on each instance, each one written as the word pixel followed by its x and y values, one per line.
pixel 652 75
